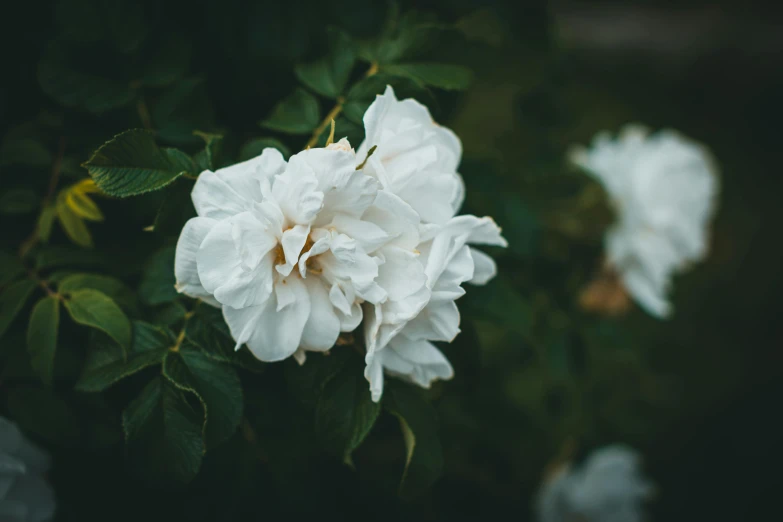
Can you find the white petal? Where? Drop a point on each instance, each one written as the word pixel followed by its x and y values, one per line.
pixel 349 322
pixel 266 165
pixel 652 299
pixel 438 321
pixel 251 240
pixel 322 242
pixel 270 216
pixel 293 241
pixel 271 335
pixel 216 199
pixel 368 235
pixel 397 218
pixel 417 361
pixel 484 267
pixel 339 300
pixel 323 325
pixel 296 192
pixel 432 195
pixel 220 270
pixel 373 372
pixel 185 267
pixel 402 274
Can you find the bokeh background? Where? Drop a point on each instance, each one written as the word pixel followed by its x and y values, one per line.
pixel 537 378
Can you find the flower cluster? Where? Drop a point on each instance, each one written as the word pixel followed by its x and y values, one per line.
pixel 608 487
pixel 296 252
pixel 24 493
pixel 663 188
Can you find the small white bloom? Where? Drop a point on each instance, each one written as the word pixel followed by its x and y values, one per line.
pixel 415 158
pixel 663 187
pixel 607 487
pixel 25 496
pixel 283 249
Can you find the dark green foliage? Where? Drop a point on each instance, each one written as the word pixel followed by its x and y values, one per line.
pixel 151 412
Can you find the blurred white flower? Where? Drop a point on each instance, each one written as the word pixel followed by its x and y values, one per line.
pixel 608 487
pixel 283 249
pixel 25 496
pixel 422 270
pixel 663 188
pixel 415 158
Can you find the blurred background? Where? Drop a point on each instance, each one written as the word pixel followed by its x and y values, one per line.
pixel 537 378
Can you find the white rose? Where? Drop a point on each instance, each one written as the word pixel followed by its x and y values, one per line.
pixel 415 158
pixel 399 331
pixel 421 270
pixel 607 487
pixel 283 249
pixel 663 188
pixel 25 496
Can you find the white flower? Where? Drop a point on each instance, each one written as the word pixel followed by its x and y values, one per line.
pixel 422 269
pixel 398 332
pixel 607 487
pixel 663 187
pixel 283 249
pixel 25 496
pixel 415 158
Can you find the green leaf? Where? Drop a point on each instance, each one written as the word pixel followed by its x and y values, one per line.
pixel 443 76
pixel 183 107
pixel 297 114
pixel 157 282
pixel 12 299
pixel 207 331
pixel 93 308
pixel 73 224
pixel 131 163
pixel 107 363
pixel 253 148
pixel 24 151
pixel 176 208
pixel 424 455
pixel 163 434
pixel 345 412
pixel 18 201
pixel 10 267
pixel 42 337
pixel 112 287
pixel 216 385
pixel 207 158
pixel 402 37
pixel 45 221
pixel 329 75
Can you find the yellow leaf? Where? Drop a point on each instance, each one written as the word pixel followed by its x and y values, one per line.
pixel 87 186
pixel 82 205
pixel 72 223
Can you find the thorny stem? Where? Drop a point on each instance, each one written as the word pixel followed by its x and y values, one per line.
pixel 33 238
pixel 336 110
